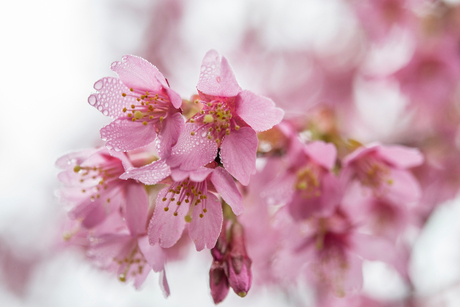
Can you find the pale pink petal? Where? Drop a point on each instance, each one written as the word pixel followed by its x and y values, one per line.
pixel 137 73
pixel 164 284
pixel 170 131
pixel 205 230
pixel 354 273
pixel 358 153
pixel 124 135
pixel 404 188
pixel 109 99
pixel 197 175
pixel 74 158
pixel 140 278
pixel 153 254
pixel 149 174
pixel 137 205
pixel 165 228
pixel 258 111
pixel 123 158
pixel 400 156
pixel 192 151
pixel 322 153
pixel 174 97
pixel 226 187
pixel 302 208
pixel 238 153
pixel 216 77
pixel 94 217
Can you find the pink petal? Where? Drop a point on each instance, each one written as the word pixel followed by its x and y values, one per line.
pixel 358 153
pixel 123 158
pixel 257 111
pixel 74 158
pixel 192 151
pixel 322 153
pixel 404 187
pixel 216 77
pixel 137 73
pixel 205 230
pixel 137 205
pixel 400 156
pixel 164 227
pixel 149 174
pixel 139 279
pixel 154 254
pixel 174 97
pixel 109 99
pixel 164 284
pixel 226 187
pixel 94 217
pixel 173 125
pixel 238 153
pixel 197 175
pixel 125 135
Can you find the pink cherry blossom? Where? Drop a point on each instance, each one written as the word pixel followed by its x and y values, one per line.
pixel 383 171
pixel 230 118
pixel 92 189
pixel 189 200
pixel 121 245
pixel 141 103
pixel 308 186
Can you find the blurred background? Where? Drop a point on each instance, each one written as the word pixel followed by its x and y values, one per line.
pixel 306 55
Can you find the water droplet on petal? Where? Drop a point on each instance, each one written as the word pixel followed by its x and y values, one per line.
pixel 218 79
pixel 92 100
pixel 105 112
pixel 98 85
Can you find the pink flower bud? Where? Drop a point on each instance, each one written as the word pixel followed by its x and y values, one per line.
pixel 218 282
pixel 239 264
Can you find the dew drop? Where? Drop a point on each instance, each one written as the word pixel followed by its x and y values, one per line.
pixel 203 134
pixel 92 100
pixel 203 68
pixel 99 108
pixel 218 79
pixel 105 112
pixel 98 85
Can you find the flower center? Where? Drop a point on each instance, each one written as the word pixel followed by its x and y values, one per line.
pixel 373 173
pixel 150 108
pixel 215 120
pixel 96 179
pixel 189 193
pixel 307 182
pixel 132 263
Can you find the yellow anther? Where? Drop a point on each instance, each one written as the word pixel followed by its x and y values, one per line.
pixel 108 200
pixel 175 213
pixel 237 127
pixel 178 203
pixel 131 89
pixel 302 185
pixel 211 129
pixel 192 133
pixel 144 123
pixel 209 136
pixel 147 93
pixel 133 106
pixel 201 112
pixel 124 95
pixel 187 201
pixel 208 119
pixel 129 115
pixel 188 218
pixel 209 104
pixel 201 215
pixel 138 114
pixel 133 119
pixel 76 168
pixel 83 191
pixel 151 108
pixel 205 210
pixel 192 120
pixel 173 199
pixel 196 101
pixel 161 118
pixel 151 117
pixel 138 99
pixel 390 181
pixel 164 198
pixel 124 109
pixel 227 132
pixel 166 209
pixel 217 141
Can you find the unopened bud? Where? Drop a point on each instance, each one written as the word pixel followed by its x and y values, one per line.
pixel 239 264
pixel 218 282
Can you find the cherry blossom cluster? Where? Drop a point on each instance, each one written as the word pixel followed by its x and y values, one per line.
pixel 274 197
